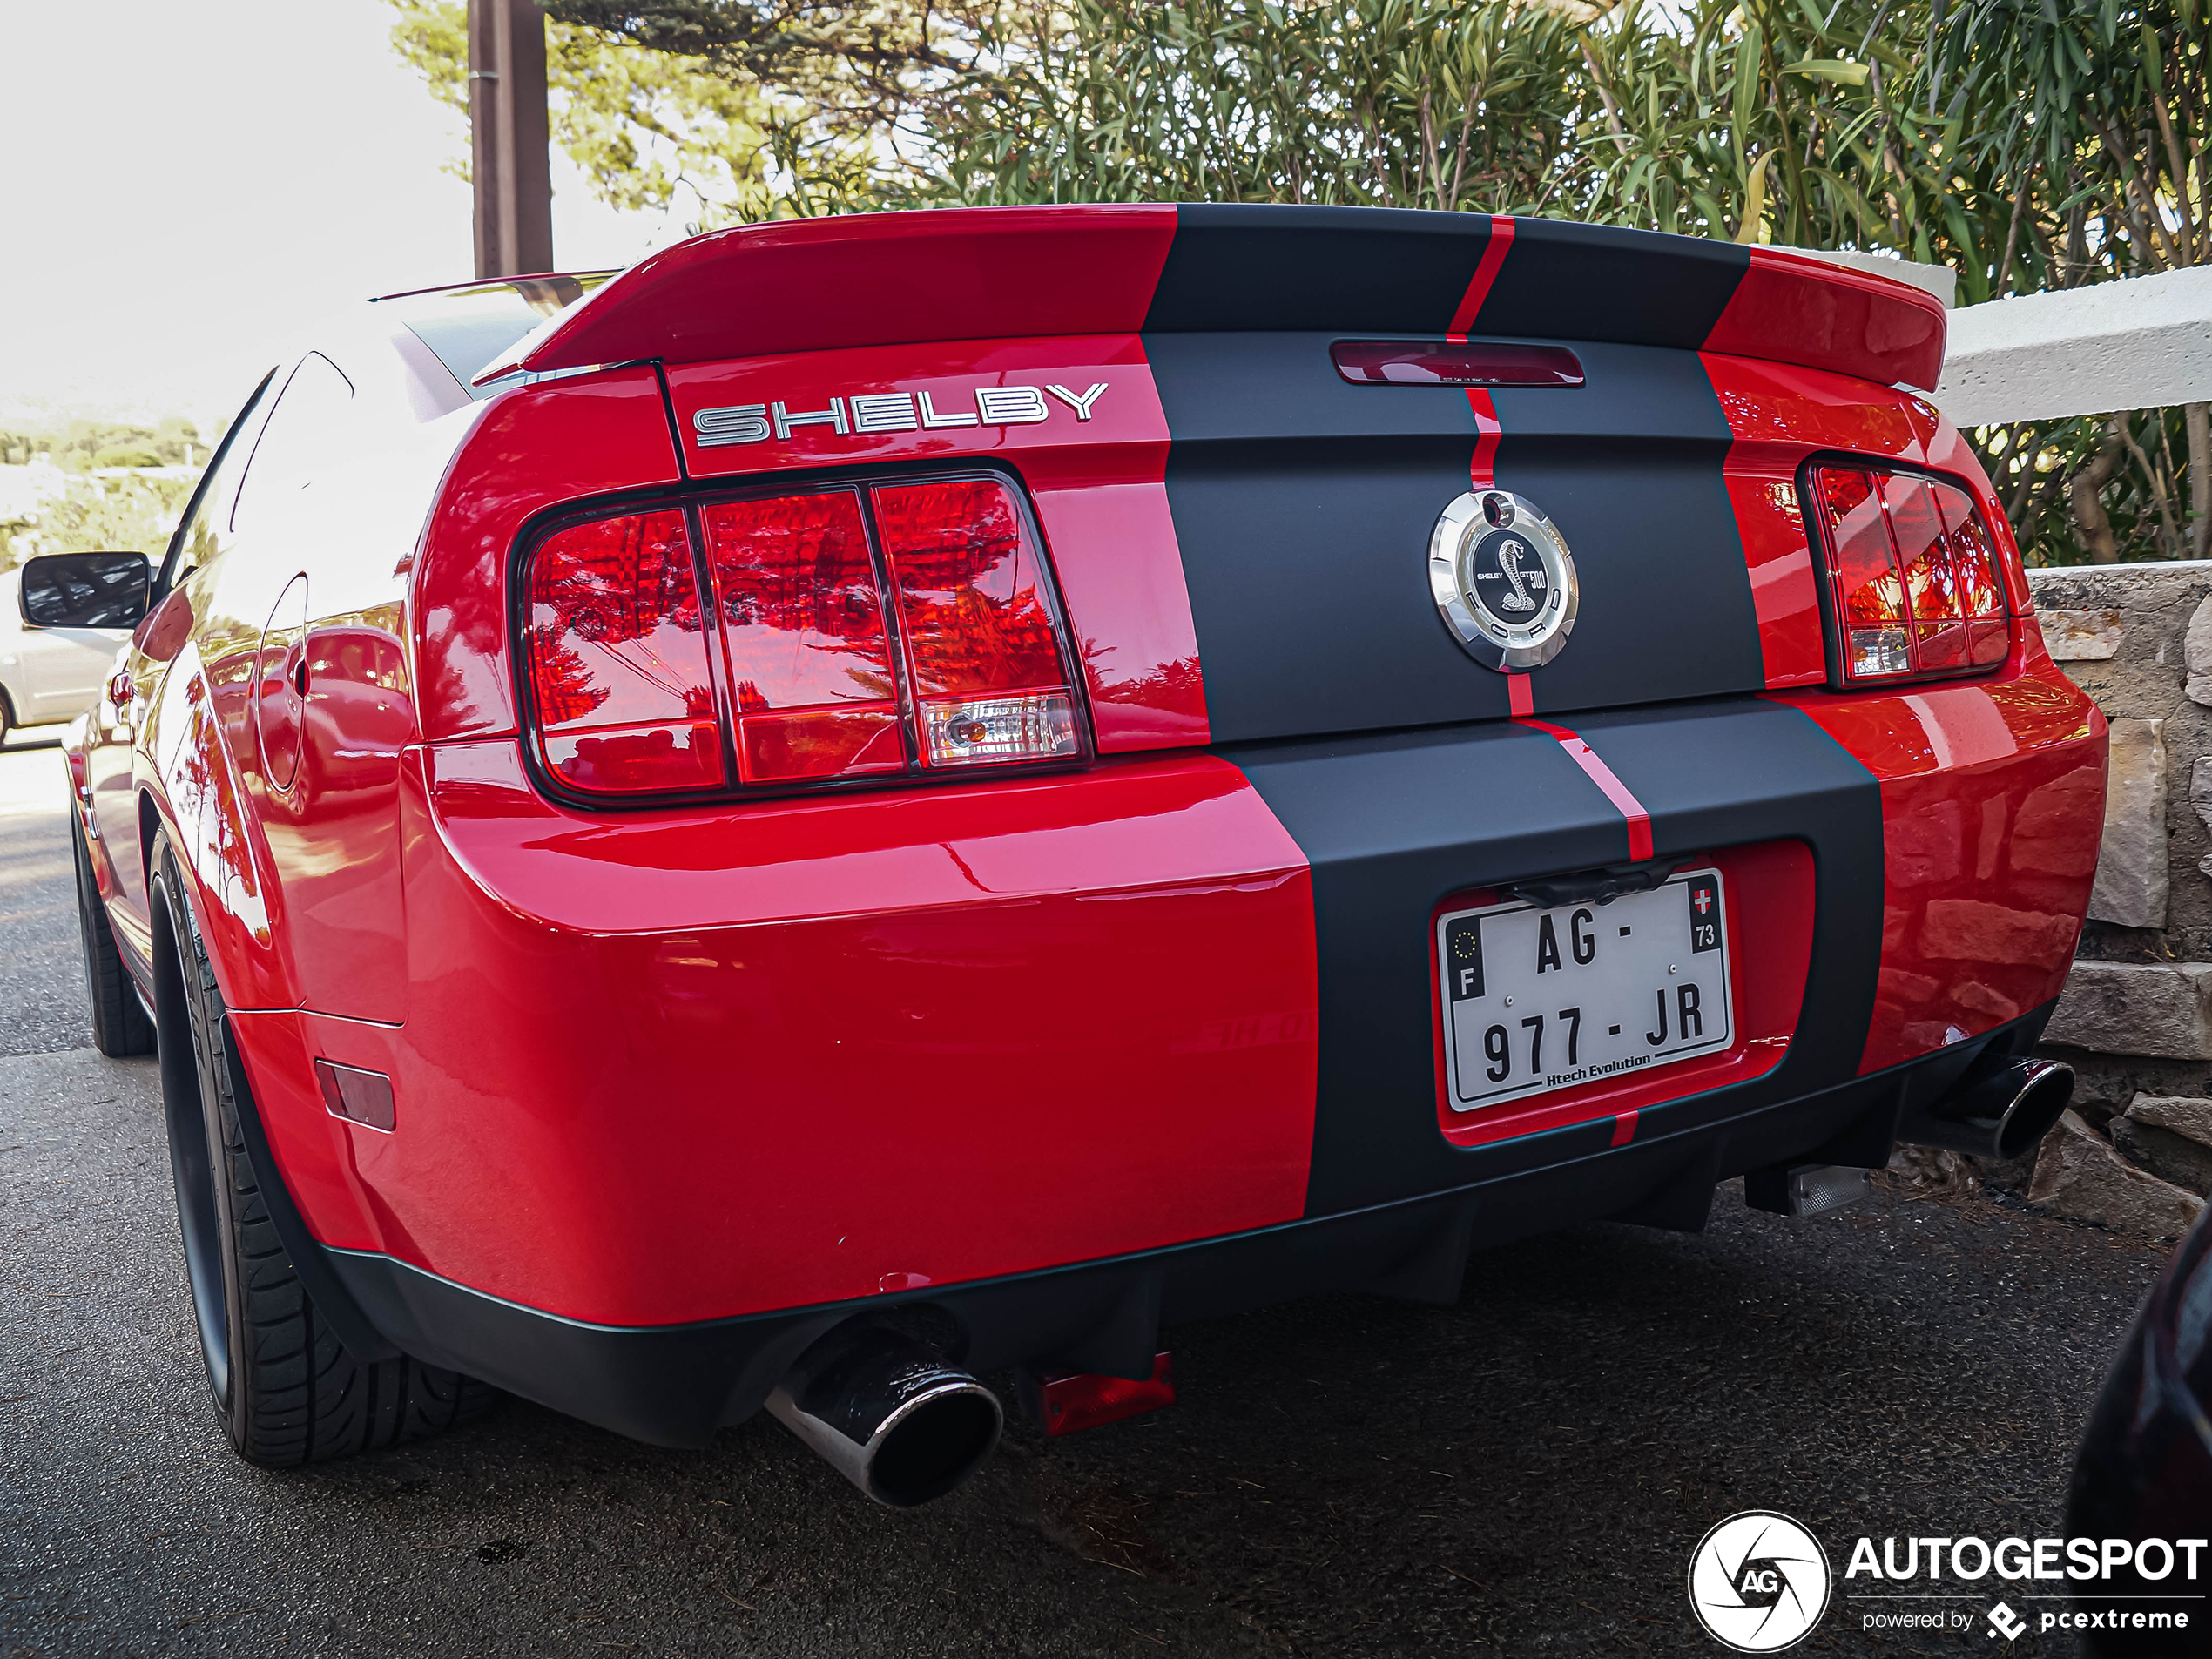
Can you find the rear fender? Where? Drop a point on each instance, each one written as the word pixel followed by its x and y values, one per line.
pixel 193 784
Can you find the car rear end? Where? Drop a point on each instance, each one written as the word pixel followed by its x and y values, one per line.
pixel 951 786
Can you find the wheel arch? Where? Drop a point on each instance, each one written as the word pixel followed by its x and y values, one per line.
pixel 359 1335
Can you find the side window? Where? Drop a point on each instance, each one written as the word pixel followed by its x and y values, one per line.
pixel 305 429
pixel 207 532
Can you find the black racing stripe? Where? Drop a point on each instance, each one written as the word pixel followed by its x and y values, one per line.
pixel 1392 825
pixel 1260 265
pixel 1601 283
pixel 1303 508
pixel 1755 771
pixel 1629 469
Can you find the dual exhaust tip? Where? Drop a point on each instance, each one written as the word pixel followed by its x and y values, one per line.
pixel 889 1414
pixel 1999 1112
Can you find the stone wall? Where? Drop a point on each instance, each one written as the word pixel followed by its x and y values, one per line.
pixel 2135 1020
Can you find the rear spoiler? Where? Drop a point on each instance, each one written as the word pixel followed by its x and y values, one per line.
pixel 1001 272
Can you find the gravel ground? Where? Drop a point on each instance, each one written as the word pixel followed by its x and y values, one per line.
pixel 1528 1471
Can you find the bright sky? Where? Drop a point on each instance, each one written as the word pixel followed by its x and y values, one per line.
pixel 185 184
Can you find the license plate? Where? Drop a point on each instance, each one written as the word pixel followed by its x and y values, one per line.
pixel 1538 1000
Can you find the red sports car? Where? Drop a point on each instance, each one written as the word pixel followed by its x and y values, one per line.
pixel 875 801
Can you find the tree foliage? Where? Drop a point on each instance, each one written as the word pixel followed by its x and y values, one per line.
pixel 81 445
pixel 1395 102
pixel 98 515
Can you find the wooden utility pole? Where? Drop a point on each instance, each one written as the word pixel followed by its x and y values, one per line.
pixel 507 137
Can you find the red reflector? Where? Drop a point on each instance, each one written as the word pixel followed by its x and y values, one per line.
pixel 802 623
pixel 1981 593
pixel 1398 362
pixel 824 743
pixel 1915 575
pixel 618 660
pixel 620 762
pixel 970 595
pixel 360 1096
pixel 1081 1400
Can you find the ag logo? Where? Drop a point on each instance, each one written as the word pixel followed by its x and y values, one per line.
pixel 1758 1582
pixel 1503 580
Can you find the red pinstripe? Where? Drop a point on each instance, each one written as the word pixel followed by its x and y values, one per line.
pixel 1601 775
pixel 1485 273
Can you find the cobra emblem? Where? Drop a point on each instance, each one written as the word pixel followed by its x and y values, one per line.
pixel 1509 561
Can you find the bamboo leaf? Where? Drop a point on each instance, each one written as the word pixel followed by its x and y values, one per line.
pixel 1754 200
pixel 1830 69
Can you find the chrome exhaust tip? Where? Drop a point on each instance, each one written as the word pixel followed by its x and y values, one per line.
pixel 2000 1112
pixel 889 1415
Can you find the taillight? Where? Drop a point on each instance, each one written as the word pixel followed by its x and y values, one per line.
pixel 618 660
pixel 1914 572
pixel 800 661
pixel 983 653
pixel 802 627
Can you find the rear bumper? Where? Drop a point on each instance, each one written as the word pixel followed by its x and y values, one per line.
pixel 1064 1055
pixel 675 1385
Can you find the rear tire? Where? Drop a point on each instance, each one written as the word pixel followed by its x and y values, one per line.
pixel 285 1387
pixel 120 1027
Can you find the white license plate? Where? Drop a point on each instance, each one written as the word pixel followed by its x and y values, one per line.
pixel 1538 1000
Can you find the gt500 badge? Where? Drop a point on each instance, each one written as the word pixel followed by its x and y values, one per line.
pixel 1503 580
pixel 889 412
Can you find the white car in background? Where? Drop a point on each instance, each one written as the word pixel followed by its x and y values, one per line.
pixel 49 673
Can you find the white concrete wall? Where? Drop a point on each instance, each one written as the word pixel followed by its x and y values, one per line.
pixel 2143 342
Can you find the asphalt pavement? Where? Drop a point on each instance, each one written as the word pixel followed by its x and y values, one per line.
pixel 1527 1472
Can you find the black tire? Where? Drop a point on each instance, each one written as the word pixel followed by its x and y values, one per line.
pixel 286 1389
pixel 120 1027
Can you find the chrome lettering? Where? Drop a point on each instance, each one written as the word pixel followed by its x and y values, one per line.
pixel 882 411
pixel 1011 405
pixel 831 416
pixel 1080 405
pixel 739 423
pixel 874 412
pixel 930 417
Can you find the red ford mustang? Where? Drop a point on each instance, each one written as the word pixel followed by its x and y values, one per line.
pixel 877 800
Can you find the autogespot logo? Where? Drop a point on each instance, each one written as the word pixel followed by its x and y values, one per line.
pixel 1758 1582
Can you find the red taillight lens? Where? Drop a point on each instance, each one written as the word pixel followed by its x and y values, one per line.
pixel 1978 577
pixel 802 626
pixel 1914 572
pixel 618 659
pixel 806 680
pixel 983 650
